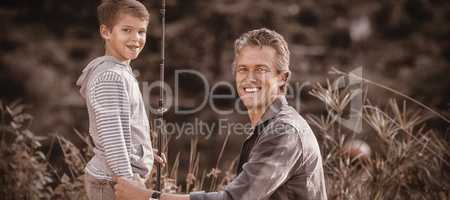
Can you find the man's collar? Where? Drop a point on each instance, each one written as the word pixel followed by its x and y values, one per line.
pixel 273 109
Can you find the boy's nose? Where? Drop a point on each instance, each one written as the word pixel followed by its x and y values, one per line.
pixel 135 36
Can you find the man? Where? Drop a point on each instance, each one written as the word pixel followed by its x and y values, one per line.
pixel 281 159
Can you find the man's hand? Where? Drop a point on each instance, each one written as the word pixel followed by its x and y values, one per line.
pixel 128 189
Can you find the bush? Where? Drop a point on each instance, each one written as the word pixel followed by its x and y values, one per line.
pixel 24 170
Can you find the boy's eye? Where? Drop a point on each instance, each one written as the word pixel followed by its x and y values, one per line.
pixel 127 30
pixel 142 32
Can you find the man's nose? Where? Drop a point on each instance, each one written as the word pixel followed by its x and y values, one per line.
pixel 251 76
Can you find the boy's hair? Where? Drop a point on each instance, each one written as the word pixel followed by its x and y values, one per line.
pixel 265 37
pixel 109 11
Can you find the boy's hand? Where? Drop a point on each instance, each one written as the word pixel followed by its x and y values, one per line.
pixel 161 160
pixel 128 189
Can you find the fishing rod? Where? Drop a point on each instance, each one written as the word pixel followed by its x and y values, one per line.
pixel 162 108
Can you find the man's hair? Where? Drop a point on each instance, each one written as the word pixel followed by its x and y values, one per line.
pixel 110 10
pixel 265 37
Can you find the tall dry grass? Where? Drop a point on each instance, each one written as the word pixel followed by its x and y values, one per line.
pixel 394 156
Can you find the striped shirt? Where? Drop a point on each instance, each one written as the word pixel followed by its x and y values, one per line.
pixel 118 122
pixel 112 115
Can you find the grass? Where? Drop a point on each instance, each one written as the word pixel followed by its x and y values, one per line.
pixel 395 156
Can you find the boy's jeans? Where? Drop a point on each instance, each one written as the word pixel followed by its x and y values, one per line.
pixel 98 189
pixel 103 189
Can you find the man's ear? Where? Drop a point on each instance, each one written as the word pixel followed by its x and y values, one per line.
pixel 283 78
pixel 104 32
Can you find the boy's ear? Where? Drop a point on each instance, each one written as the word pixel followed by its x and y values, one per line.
pixel 104 32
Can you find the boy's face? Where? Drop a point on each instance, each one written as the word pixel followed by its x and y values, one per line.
pixel 126 38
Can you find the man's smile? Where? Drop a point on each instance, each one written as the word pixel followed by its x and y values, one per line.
pixel 252 89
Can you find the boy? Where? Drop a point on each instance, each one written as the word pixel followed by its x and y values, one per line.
pixel 118 123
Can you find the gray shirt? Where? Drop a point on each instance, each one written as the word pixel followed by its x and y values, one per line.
pixel 280 160
pixel 118 123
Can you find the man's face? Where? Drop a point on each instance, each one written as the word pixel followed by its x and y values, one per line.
pixel 127 37
pixel 257 79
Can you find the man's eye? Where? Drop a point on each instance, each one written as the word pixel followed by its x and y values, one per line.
pixel 127 30
pixel 261 69
pixel 241 69
pixel 142 32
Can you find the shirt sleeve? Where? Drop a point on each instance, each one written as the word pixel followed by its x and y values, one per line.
pixel 111 106
pixel 270 163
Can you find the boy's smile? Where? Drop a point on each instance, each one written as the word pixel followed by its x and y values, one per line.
pixel 126 38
